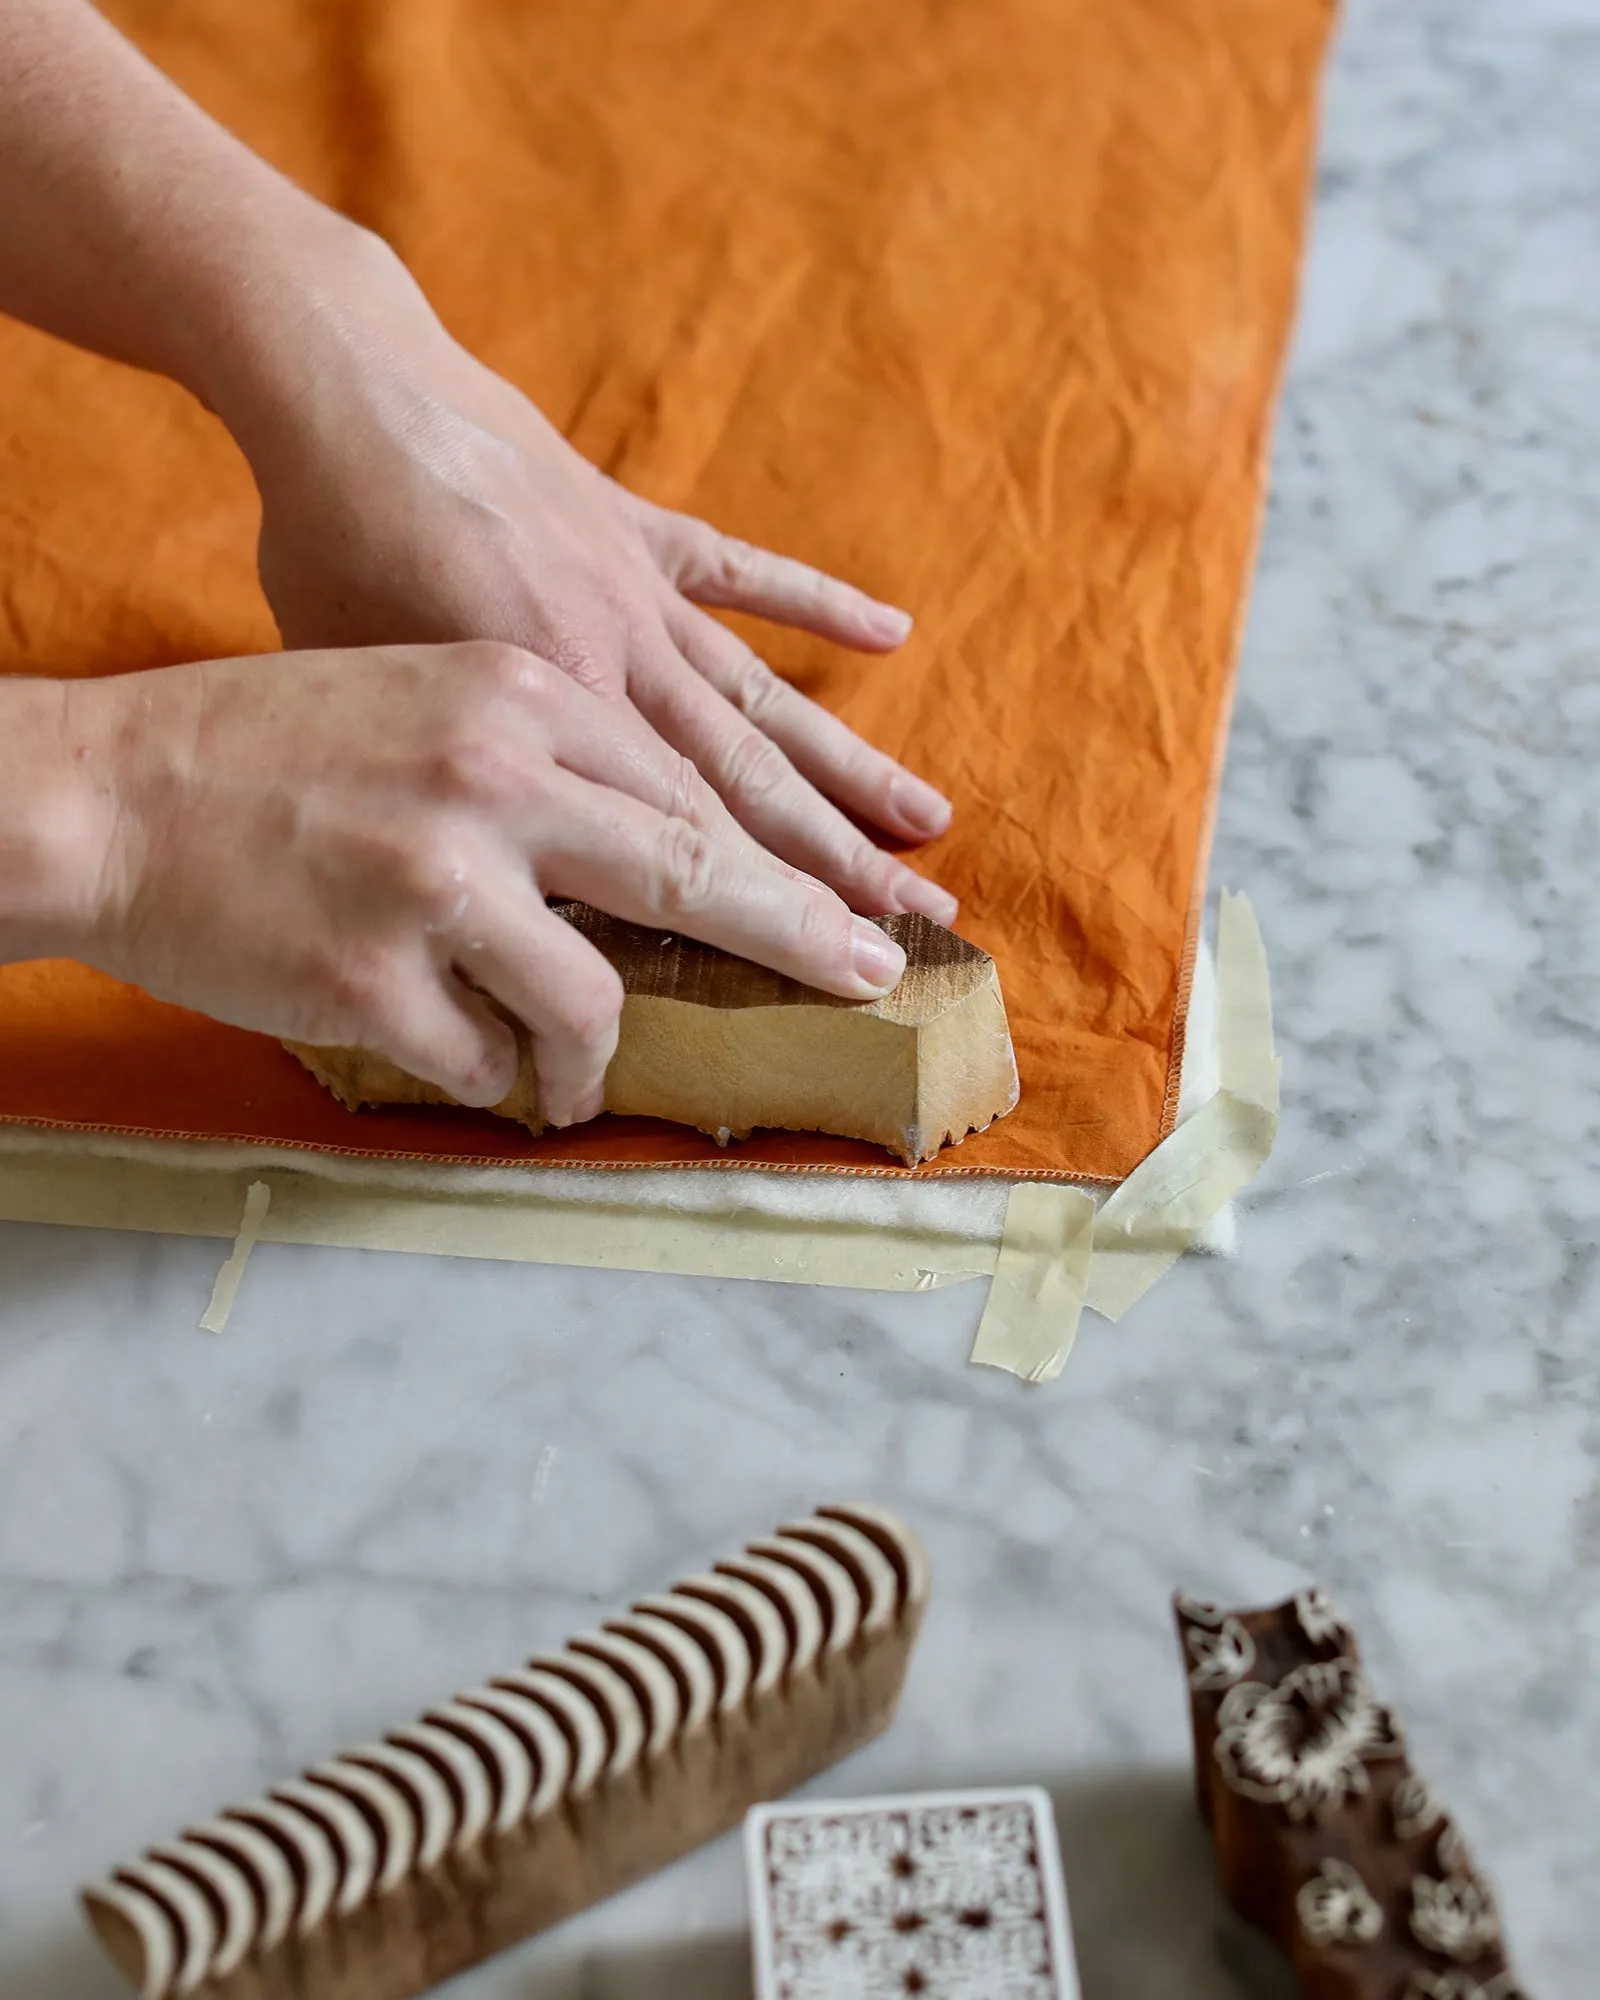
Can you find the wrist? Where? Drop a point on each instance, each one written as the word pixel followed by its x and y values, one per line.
pixel 299 340
pixel 57 815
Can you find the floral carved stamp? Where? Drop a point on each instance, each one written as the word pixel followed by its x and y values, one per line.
pixel 1326 1838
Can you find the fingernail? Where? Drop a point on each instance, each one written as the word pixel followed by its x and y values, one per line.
pixel 919 805
pixel 878 960
pixel 892 624
pixel 916 892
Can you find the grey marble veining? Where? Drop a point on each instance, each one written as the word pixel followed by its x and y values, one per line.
pixel 222 1557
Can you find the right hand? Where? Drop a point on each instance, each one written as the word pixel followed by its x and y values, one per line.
pixel 409 493
pixel 352 848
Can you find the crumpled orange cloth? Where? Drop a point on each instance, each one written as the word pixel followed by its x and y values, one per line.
pixel 982 306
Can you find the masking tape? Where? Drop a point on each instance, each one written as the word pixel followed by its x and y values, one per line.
pixel 257 1200
pixel 736 1245
pixel 113 1193
pixel 1148 1222
pixel 962 1210
pixel 1031 1318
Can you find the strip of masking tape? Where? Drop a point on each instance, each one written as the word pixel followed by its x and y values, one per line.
pixel 740 1244
pixel 1036 1299
pixel 110 1193
pixel 257 1200
pixel 1157 1212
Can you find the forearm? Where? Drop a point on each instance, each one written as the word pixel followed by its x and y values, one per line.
pixel 133 224
pixel 54 809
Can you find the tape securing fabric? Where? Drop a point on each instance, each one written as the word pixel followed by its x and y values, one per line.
pixel 899 1249
pixel 741 1244
pixel 257 1200
pixel 1157 1212
pixel 1036 1299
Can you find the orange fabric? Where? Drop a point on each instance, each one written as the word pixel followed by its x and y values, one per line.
pixel 982 306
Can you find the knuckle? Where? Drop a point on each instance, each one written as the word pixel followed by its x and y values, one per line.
pixel 753 687
pixel 690 547
pixel 497 668
pixel 735 563
pixel 432 881
pixel 690 875
pixel 874 874
pixel 589 1011
pixel 755 769
pixel 474 765
pixel 485 1073
pixel 686 790
pixel 822 927
pixel 410 871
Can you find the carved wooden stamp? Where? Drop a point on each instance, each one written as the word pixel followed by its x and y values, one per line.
pixel 718 1043
pixel 381 1872
pixel 953 1896
pixel 1326 1839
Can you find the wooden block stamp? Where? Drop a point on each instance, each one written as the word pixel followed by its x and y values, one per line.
pixel 718 1043
pixel 378 1873
pixel 1326 1838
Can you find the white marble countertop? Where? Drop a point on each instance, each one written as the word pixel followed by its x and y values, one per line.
pixel 223 1557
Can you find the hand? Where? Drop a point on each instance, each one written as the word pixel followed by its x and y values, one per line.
pixel 410 494
pixel 355 848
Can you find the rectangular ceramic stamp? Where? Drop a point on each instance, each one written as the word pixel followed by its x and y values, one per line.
pixel 950 1895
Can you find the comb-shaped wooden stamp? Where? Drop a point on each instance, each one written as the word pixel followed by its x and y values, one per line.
pixel 499 1813
pixel 713 1041
pixel 1326 1838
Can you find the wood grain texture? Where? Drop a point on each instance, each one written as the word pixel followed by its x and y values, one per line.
pixel 378 1874
pixel 715 1042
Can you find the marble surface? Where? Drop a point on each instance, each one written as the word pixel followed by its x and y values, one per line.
pixel 220 1557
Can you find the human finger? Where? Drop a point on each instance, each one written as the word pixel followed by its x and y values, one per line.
pixel 552 979
pixel 767 794
pixel 610 743
pixel 434 1027
pixel 717 569
pixel 821 747
pixel 607 849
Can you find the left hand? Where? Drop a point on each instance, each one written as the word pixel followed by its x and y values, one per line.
pixel 411 495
